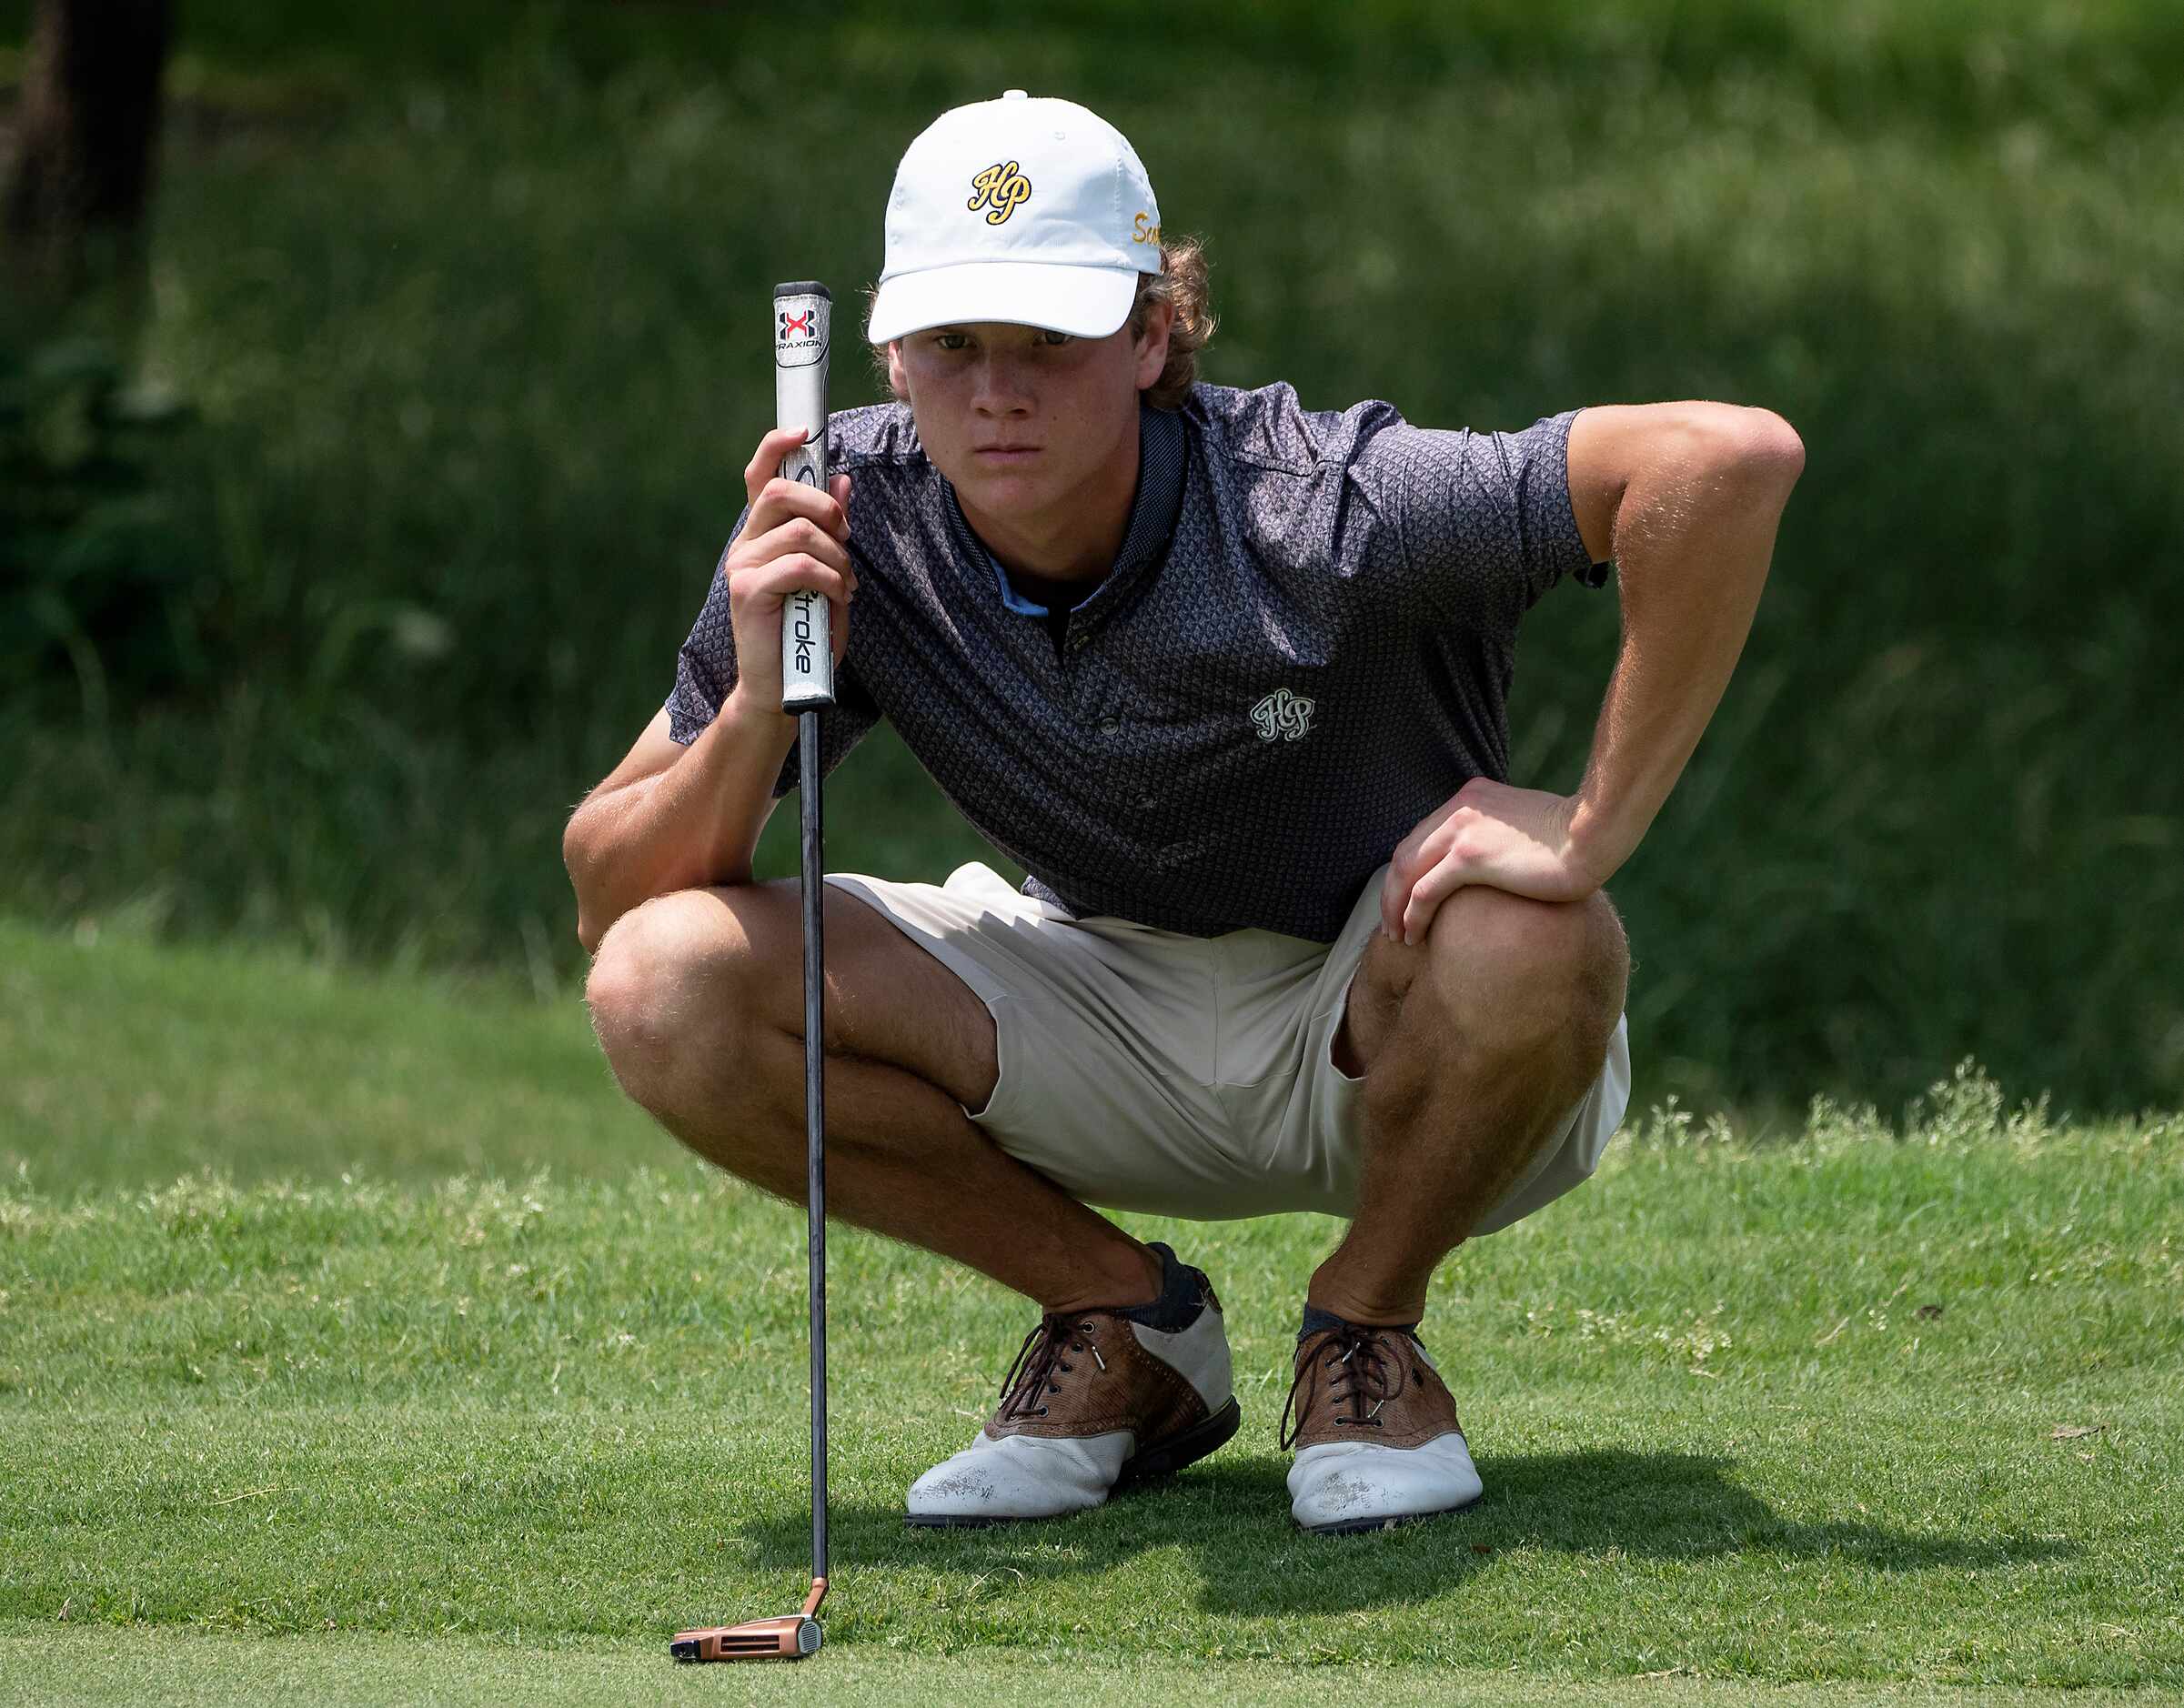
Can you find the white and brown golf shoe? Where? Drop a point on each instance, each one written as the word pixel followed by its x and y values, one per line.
pixel 1375 1429
pixel 1096 1399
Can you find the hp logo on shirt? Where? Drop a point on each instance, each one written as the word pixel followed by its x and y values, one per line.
pixel 1282 716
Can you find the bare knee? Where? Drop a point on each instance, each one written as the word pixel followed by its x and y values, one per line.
pixel 1509 972
pixel 679 983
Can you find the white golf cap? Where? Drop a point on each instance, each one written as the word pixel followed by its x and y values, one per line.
pixel 1032 211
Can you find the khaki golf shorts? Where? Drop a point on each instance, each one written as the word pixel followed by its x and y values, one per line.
pixel 1184 1075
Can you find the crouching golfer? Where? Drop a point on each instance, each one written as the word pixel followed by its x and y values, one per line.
pixel 1229 677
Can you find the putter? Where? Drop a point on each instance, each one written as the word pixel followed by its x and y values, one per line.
pixel 801 316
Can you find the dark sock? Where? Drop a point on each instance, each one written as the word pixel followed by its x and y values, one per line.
pixel 1317 1322
pixel 1183 1293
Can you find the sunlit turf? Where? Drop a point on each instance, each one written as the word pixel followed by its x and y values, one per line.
pixel 209 1670
pixel 1874 1408
pixel 127 1065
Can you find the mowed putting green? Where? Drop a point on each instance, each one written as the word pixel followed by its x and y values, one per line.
pixel 1881 1416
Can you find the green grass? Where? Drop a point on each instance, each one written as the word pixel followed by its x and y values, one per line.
pixel 205 1670
pixel 325 1418
pixel 261 1067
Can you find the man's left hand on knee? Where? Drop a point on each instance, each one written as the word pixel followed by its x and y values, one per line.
pixel 1491 834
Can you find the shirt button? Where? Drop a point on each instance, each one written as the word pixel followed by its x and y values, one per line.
pixel 1110 727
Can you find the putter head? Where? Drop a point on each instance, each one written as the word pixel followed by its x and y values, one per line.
pixel 790 1637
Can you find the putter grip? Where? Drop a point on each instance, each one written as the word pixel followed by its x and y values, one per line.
pixel 802 316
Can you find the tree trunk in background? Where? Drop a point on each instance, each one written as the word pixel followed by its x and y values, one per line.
pixel 85 126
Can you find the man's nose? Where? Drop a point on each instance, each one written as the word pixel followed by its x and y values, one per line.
pixel 1001 388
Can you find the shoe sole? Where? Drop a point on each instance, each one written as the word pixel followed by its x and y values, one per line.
pixel 1359 1526
pixel 1160 1460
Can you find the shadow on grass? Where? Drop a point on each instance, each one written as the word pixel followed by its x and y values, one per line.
pixel 1643 1506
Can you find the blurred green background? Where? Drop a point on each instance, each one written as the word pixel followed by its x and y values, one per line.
pixel 335 581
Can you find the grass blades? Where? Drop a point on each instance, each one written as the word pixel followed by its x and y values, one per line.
pixel 203 1670
pixel 1887 1405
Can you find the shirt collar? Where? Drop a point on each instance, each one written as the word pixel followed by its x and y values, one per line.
pixel 1153 510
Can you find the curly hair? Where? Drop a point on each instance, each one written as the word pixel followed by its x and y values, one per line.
pixel 1182 283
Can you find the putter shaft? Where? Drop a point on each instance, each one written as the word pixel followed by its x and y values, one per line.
pixel 815 1145
pixel 795 1636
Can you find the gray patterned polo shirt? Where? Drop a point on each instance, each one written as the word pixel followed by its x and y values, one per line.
pixel 1305 645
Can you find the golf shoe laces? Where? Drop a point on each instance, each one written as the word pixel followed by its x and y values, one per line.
pixel 1364 1373
pixel 1040 1359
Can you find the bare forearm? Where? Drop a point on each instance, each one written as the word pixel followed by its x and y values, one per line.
pixel 1694 535
pixel 695 823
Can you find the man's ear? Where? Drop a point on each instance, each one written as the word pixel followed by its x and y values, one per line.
pixel 896 383
pixel 1152 343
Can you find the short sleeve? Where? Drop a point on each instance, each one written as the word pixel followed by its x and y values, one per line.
pixel 705 673
pixel 1484 520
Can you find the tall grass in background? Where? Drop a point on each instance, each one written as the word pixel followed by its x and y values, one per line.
pixel 471 330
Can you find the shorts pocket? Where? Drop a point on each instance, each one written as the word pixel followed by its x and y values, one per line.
pixel 1008 1055
pixel 1324 1029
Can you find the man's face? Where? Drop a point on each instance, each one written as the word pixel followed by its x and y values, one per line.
pixel 1020 420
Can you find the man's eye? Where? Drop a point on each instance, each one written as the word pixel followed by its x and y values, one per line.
pixel 1055 338
pixel 952 341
